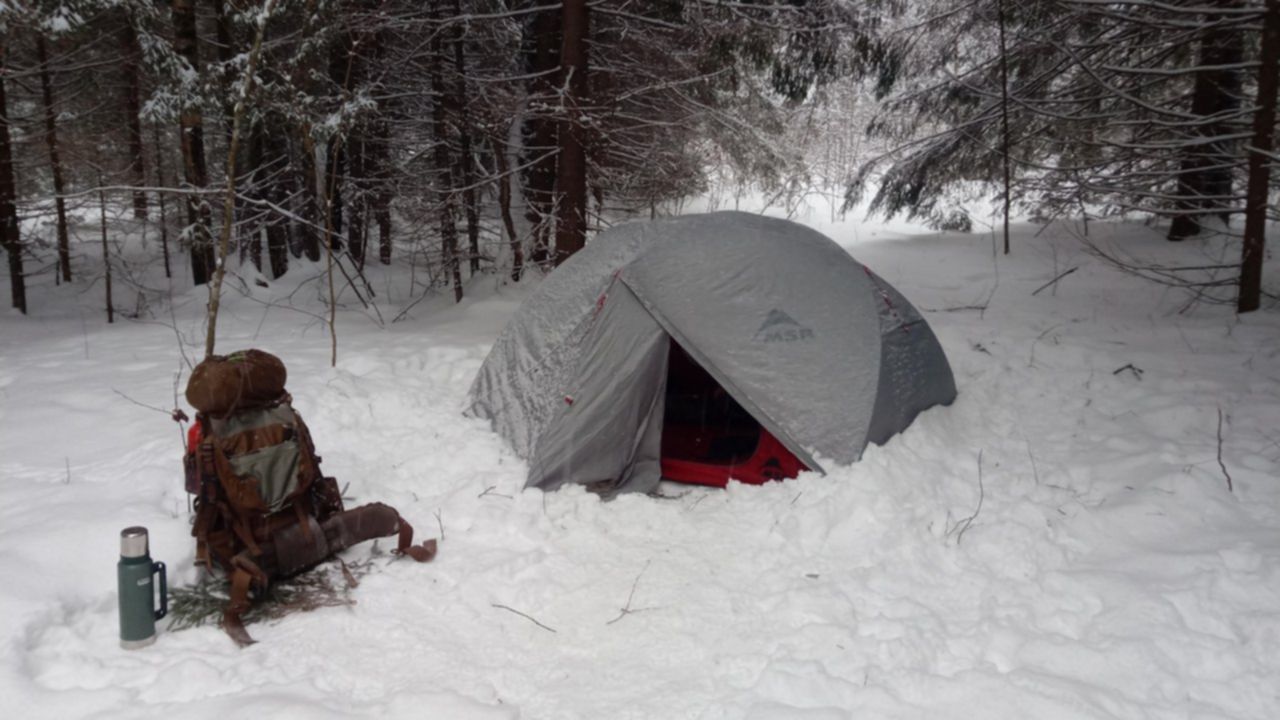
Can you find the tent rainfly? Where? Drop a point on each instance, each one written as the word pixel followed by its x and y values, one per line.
pixel 703 348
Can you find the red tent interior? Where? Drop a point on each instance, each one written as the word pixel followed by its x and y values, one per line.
pixel 708 438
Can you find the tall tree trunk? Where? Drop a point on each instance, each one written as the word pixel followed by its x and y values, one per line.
pixel 274 184
pixel 312 199
pixel 164 219
pixel 504 208
pixel 382 194
pixel 129 53
pixel 357 227
pixel 1204 180
pixel 55 160
pixel 542 50
pixel 226 54
pixel 106 251
pixel 253 188
pixel 1004 117
pixel 9 197
pixel 1264 127
pixel 444 180
pixel 571 180
pixel 191 126
pixel 461 105
pixel 377 151
pixel 341 65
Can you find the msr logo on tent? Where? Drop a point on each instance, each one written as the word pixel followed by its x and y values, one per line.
pixel 781 327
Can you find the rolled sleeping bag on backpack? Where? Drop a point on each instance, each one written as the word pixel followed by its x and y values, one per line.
pixel 223 384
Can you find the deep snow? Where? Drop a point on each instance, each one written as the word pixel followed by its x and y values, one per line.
pixel 1108 573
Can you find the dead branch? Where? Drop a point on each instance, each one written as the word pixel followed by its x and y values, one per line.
pixel 626 609
pixel 167 413
pixel 1055 280
pixel 490 491
pixel 1230 485
pixel 526 617
pixel 1137 371
pixel 963 525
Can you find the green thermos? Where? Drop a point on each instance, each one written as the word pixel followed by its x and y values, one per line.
pixel 138 613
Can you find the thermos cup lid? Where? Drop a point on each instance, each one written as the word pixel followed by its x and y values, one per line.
pixel 133 542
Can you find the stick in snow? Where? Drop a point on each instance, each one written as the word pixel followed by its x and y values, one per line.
pixel 626 609
pixel 1230 486
pixel 526 617
pixel 982 493
pixel 1055 280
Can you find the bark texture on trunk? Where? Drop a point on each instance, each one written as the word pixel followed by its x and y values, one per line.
pixel 504 208
pixel 55 159
pixel 1204 179
pixel 9 235
pixel 191 127
pixel 129 54
pixel 466 167
pixel 571 180
pixel 443 167
pixel 542 43
pixel 1264 128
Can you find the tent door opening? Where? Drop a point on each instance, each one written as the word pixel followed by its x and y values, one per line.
pixel 708 438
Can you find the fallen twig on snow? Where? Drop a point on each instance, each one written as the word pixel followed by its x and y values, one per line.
pixel 626 609
pixel 1137 371
pixel 1230 485
pixel 1056 278
pixel 530 618
pixel 490 491
pixel 963 525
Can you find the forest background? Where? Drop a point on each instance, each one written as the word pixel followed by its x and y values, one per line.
pixel 494 136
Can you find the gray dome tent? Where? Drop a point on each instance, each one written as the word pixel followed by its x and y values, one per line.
pixel 821 352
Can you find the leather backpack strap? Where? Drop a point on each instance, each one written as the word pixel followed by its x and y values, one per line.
pixel 232 622
pixel 422 553
pixel 245 574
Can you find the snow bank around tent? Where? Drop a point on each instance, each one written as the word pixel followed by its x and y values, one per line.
pixel 1059 543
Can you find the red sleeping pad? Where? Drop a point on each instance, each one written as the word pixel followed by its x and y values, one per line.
pixel 770 461
pixel 709 439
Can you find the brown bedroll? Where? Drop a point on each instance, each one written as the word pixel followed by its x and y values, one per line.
pixel 308 543
pixel 223 384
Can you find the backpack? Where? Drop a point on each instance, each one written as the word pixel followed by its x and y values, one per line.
pixel 263 510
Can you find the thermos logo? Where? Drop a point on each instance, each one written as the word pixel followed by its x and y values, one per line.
pixel 781 327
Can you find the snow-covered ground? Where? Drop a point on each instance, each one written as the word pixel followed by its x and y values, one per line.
pixel 1060 543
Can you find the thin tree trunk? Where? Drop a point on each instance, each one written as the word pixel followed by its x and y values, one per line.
pixel 274 185
pixel 191 126
pixel 543 47
pixel 9 234
pixel 382 196
pixel 504 207
pixel 106 251
pixel 55 161
pixel 357 229
pixel 129 53
pixel 312 196
pixel 1264 126
pixel 571 180
pixel 444 179
pixel 1004 117
pixel 226 53
pixel 341 64
pixel 164 220
pixel 1204 181
pixel 461 105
